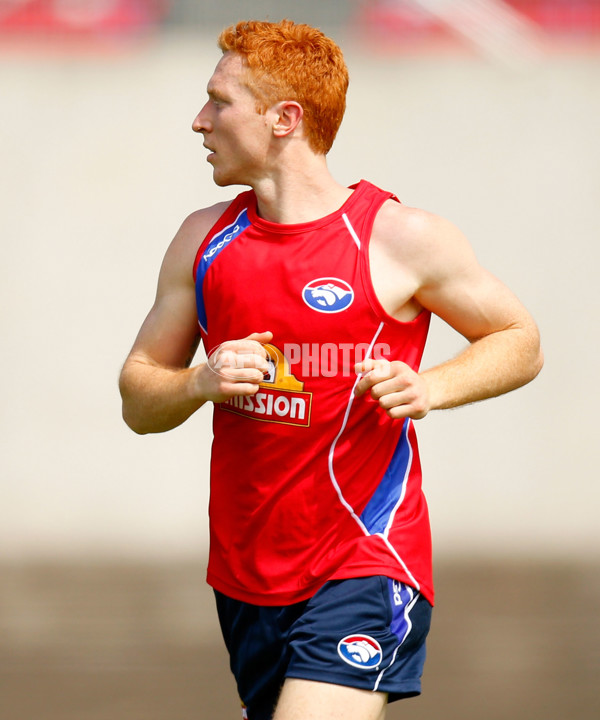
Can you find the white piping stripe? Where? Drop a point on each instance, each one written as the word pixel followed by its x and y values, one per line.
pixel 384 535
pixel 332 477
pixel 392 549
pixel 351 230
pixel 338 490
pixel 407 610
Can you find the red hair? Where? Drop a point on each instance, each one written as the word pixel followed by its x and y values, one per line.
pixel 289 61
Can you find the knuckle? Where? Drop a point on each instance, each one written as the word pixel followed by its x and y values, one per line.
pixel 376 393
pixel 384 402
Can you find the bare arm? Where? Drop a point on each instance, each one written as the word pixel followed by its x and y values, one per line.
pixel 158 387
pixel 440 273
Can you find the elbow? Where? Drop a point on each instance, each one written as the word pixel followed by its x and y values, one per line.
pixel 132 421
pixel 129 408
pixel 536 355
pixel 132 412
pixel 525 357
pixel 538 363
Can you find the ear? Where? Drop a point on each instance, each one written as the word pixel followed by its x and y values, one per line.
pixel 288 116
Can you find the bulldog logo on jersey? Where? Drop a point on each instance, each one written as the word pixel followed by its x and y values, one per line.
pixel 328 295
pixel 361 651
pixel 281 398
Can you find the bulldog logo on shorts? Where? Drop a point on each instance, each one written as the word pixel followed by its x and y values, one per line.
pixel 361 651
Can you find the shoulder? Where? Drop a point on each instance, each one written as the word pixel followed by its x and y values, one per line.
pixel 396 223
pixel 198 224
pixel 181 253
pixel 419 240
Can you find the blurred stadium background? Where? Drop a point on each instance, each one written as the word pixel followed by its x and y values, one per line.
pixel 483 111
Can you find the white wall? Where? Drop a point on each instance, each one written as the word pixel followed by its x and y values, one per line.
pixel 98 168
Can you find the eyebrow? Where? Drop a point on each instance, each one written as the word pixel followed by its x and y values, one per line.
pixel 215 94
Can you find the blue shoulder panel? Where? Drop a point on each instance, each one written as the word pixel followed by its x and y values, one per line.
pixel 216 245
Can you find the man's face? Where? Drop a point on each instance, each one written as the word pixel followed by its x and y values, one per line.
pixel 235 133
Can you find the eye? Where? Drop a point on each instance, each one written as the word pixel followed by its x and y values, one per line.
pixel 217 101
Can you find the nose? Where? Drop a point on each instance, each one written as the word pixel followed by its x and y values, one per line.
pixel 201 122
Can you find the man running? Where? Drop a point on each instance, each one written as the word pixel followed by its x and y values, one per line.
pixel 313 302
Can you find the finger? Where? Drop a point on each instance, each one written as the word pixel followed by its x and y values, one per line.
pixel 393 386
pixel 244 357
pixel 260 337
pixel 252 344
pixel 365 383
pixel 389 400
pixel 373 372
pixel 405 404
pixel 242 347
pixel 406 411
pixel 236 366
pixel 240 375
pixel 364 367
pixel 241 388
pixel 399 412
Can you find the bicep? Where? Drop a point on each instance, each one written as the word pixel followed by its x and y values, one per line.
pixel 170 333
pixel 463 293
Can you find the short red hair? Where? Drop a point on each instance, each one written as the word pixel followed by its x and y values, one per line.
pixel 290 61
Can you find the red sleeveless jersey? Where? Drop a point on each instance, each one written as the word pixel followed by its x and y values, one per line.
pixel 308 482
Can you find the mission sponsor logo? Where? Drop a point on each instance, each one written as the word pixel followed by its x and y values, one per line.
pixel 328 295
pixel 361 651
pixel 281 397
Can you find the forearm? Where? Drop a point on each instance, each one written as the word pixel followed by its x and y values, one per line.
pixel 488 367
pixel 157 399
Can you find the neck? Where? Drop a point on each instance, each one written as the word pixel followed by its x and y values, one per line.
pixel 299 192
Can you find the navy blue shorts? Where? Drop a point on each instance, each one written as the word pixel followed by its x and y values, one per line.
pixel 366 633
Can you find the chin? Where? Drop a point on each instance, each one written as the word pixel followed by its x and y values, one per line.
pixel 223 180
